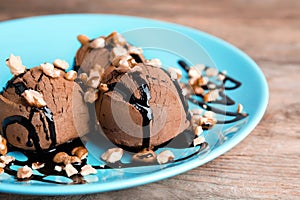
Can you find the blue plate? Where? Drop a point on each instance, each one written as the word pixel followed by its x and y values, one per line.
pixel 46 38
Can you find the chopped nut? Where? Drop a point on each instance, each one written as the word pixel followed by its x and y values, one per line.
pixel 103 87
pixel 118 51
pixel 34 98
pixel 58 168
pixel 37 165
pixel 91 96
pixel 154 62
pixel 83 77
pixel 70 170
pixel 198 140
pixel 7 159
pixel 87 169
pixel 71 75
pixel 193 81
pixel 240 108
pixel 202 81
pixel 60 157
pixel 116 39
pixel 49 70
pixel 211 71
pixel 175 73
pixel 112 155
pixel 3 146
pixel 145 156
pixel 93 82
pixel 194 73
pixel 135 50
pixel 83 39
pixel 207 123
pixel 2 165
pixel 221 77
pixel 165 157
pixel 72 159
pixel 1 170
pixel 198 90
pixel 97 43
pixel 195 119
pixel 61 64
pixel 198 130
pixel 15 65
pixel 80 152
pixel 24 172
pixel 212 95
pixel 209 114
pixel 211 86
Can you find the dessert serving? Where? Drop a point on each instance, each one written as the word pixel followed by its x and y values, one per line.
pixel 114 91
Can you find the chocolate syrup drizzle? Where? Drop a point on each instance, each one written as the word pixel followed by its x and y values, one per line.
pixel 141 104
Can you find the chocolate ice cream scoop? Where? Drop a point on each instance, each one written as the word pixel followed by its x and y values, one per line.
pixel 140 105
pixel 41 107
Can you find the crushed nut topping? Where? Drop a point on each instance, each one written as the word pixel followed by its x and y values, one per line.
pixel 194 73
pixel 198 140
pixel 58 168
pixel 165 157
pixel 103 87
pixel 91 95
pixel 212 95
pixel 24 172
pixel 7 159
pixel 240 108
pixel 211 71
pixel 49 70
pixel 15 65
pixel 60 157
pixel 97 43
pixel 87 170
pixel 83 39
pixel 83 77
pixel 118 51
pixel 2 165
pixel 175 73
pixel 37 165
pixel 70 170
pixel 34 98
pixel 198 130
pixel 61 64
pixel 71 75
pixel 80 152
pixel 112 155
pixel 154 62
pixel 3 146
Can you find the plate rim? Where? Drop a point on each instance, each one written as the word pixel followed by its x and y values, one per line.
pixel 162 174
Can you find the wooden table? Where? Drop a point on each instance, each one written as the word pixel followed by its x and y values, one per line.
pixel 267 163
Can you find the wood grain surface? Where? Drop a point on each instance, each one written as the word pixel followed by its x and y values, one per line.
pixel 267 163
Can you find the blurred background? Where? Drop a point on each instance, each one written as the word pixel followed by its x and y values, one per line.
pixel 264 165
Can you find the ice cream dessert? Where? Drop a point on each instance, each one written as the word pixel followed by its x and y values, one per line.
pixel 140 105
pixel 41 106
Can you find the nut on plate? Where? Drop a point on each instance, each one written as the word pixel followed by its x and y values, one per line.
pixel 15 65
pixel 80 152
pixel 61 64
pixel 145 156
pixel 87 170
pixel 3 145
pixel 7 159
pixel 112 155
pixel 24 172
pixel 37 165
pixel 165 157
pixel 34 98
pixel 60 157
pixel 70 170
